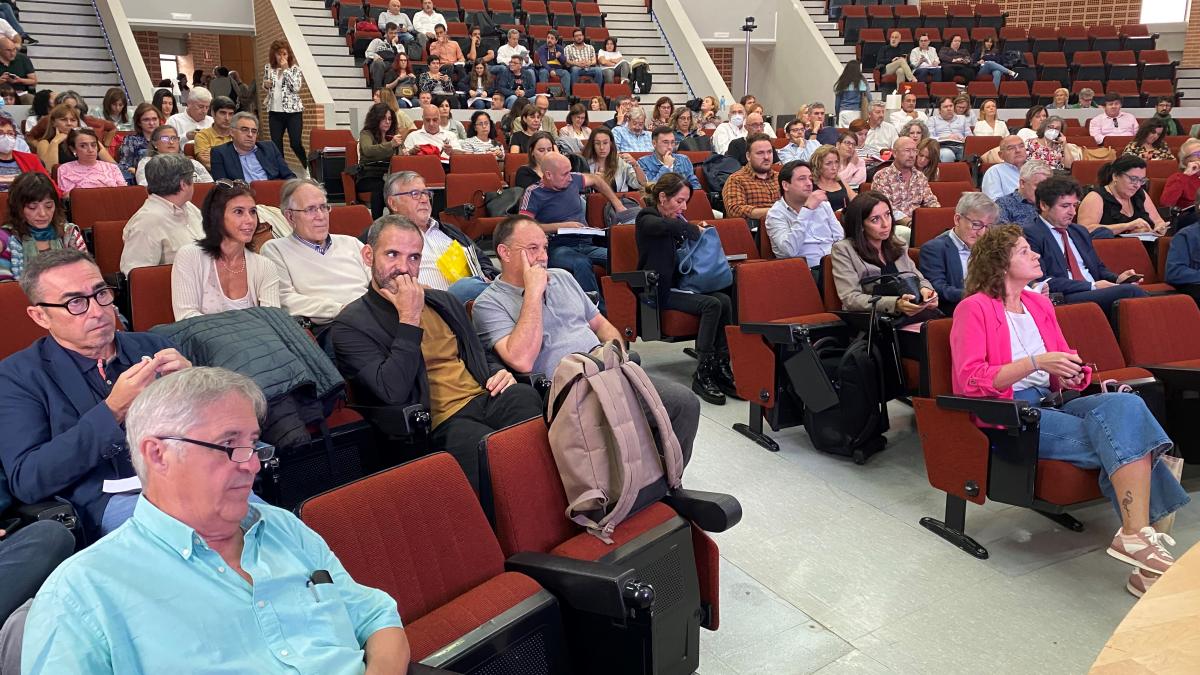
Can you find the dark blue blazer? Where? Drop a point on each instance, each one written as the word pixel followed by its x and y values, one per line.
pixel 1054 263
pixel 1183 257
pixel 940 264
pixel 225 162
pixel 61 438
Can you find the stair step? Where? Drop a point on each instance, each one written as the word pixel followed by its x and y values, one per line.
pixel 69 80
pixel 49 13
pixel 319 29
pixel 42 30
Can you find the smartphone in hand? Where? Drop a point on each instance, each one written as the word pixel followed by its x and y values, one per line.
pixel 1133 279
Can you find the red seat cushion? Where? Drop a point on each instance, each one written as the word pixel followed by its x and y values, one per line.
pixel 467 612
pixel 585 546
pixel 679 324
pixel 1121 374
pixel 1065 484
pixel 810 319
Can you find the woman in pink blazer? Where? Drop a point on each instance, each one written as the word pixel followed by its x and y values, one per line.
pixel 1006 343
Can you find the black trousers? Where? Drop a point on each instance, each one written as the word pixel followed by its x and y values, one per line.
pixel 950 70
pixel 293 123
pixel 715 311
pixel 1190 289
pixel 374 185
pixel 1105 297
pixel 460 435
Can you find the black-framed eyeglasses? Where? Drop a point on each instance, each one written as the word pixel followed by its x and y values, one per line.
pixel 978 225
pixel 80 304
pixel 239 454
pixel 415 194
pixel 1136 180
pixel 313 210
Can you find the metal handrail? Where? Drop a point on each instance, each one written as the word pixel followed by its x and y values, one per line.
pixel 671 50
pixel 111 54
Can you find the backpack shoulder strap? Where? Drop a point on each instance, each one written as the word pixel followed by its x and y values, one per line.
pixel 669 450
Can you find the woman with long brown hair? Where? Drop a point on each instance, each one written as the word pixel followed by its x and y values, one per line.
pixel 600 151
pixel 36 222
pixel 282 81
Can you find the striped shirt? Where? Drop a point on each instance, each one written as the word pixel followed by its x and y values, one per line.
pixel 437 243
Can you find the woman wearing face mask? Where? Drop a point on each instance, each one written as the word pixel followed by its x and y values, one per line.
pixel 727 131
pixel 1049 144
pixel 87 170
pixel 36 223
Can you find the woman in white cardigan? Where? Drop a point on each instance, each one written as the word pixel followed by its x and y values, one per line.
pixel 219 273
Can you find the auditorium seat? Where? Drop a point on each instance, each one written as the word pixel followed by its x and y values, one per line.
pixel 1122 65
pixel 1087 171
pixel 854 19
pixel 1131 95
pixel 267 192
pixel 1105 38
pixel 1087 65
pixel 1015 94
pixel 1089 332
pixel 89 205
pixel 349 220
pixel 150 297
pixel 108 242
pixel 1137 37
pixel 1014 38
pixel 948 192
pixel 929 222
pixel 19 331
pixel 626 285
pixel 418 533
pixel 1121 253
pixel 955 171
pixel 199 192
pixel 474 162
pixel 470 188
pixel 428 166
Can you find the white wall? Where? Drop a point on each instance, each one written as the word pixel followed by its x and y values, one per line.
pixel 720 21
pixel 223 16
pixel 125 50
pixel 696 64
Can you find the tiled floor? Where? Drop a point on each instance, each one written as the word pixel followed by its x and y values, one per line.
pixel 830 572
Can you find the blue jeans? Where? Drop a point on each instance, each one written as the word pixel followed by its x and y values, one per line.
pixel 935 73
pixel 594 72
pixel 6 13
pixel 1106 432
pixel 467 289
pixel 120 509
pixel 564 77
pixel 951 153
pixel 997 71
pixel 576 254
pixel 525 73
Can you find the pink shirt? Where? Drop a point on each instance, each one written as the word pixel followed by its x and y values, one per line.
pixel 1102 126
pixel 101 174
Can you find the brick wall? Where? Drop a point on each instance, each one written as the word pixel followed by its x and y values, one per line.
pixel 267 31
pixel 205 50
pixel 1070 12
pixel 722 58
pixel 1191 46
pixel 147 42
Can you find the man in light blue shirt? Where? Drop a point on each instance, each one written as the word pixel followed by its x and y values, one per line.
pixel 950 130
pixel 943 259
pixel 1003 178
pixel 664 160
pixel 633 136
pixel 799 148
pixel 802 224
pixel 198 578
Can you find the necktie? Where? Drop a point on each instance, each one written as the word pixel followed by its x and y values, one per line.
pixel 1076 272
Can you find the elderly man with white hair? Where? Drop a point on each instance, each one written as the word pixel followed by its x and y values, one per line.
pixel 197 559
pixel 633 136
pixel 194 116
pixel 1020 205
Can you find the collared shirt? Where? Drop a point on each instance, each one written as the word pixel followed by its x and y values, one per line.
pixel 964 252
pixel 807 233
pixel 745 192
pixel 627 141
pixel 653 167
pixel 1015 209
pixel 400 19
pixel 157 231
pixel 1000 180
pixel 448 51
pixel 881 138
pixel 900 118
pixel 426 23
pixel 941 129
pixel 506 51
pixel 1057 238
pixel 1103 126
pixel 584 53
pixel 184 124
pixel 252 169
pixel 320 248
pixel 136 600
pixel 440 139
pixel 905 196
pixel 437 242
pixel 792 152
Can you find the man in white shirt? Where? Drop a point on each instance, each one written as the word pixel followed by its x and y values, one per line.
pixel 801 224
pixel 727 131
pixel 1112 122
pixel 426 20
pixel 924 60
pixel 431 133
pixel 194 116
pixel 404 27
pixel 408 197
pixel 319 272
pixel 1002 178
pixel 168 220
pixel 881 135
pixel 907 112
pixel 510 49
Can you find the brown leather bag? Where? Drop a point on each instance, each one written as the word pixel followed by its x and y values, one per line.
pixel 613 457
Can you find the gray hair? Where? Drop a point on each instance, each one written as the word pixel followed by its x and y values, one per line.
pixel 62 96
pixel 243 116
pixel 511 31
pixel 200 94
pixel 165 172
pixel 400 178
pixel 637 113
pixel 288 191
pixel 390 220
pixel 1062 125
pixel 44 262
pixel 173 405
pixel 1035 167
pixel 877 104
pixel 816 104
pixel 915 123
pixel 976 202
pixel 1086 92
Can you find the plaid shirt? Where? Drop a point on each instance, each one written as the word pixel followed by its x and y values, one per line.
pixel 584 53
pixel 744 192
pixel 904 196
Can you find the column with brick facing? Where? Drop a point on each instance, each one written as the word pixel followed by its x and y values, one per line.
pixel 1191 46
pixel 722 58
pixel 147 42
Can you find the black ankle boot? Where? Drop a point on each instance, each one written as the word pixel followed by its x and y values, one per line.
pixel 704 382
pixel 723 375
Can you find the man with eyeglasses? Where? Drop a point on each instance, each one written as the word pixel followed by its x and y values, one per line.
pixel 1002 178
pixel 1112 122
pixel 247 158
pixel 63 400
pixel 737 147
pixel 450 260
pixel 319 273
pixel 944 258
pixel 198 558
pixel 168 220
pixel 664 159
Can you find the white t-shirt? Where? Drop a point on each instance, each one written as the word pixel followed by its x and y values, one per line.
pixel 1026 341
pixel 185 125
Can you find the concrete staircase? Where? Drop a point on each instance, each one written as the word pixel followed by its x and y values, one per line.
pixel 1188 82
pixel 71 52
pixel 829 30
pixel 344 79
pixel 638 37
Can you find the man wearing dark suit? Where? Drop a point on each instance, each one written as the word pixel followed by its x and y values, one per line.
pixel 944 258
pixel 247 158
pixel 1067 256
pixel 63 399
pixel 402 344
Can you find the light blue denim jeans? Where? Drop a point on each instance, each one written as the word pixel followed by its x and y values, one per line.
pixel 1106 432
pixel 467 289
pixel 996 70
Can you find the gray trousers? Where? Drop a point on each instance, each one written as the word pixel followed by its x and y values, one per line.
pixel 11 635
pixel 684 410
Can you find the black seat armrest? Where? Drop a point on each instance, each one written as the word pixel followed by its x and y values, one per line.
pixel 417 419
pixel 588 586
pixel 786 333
pixel 1003 412
pixel 638 280
pixel 1176 378
pixel 538 381
pixel 422 669
pixel 711 511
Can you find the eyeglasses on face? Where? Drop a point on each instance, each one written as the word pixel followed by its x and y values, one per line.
pixel 1136 180
pixel 239 454
pixel 415 194
pixel 80 304
pixel 251 131
pixel 168 139
pixel 313 210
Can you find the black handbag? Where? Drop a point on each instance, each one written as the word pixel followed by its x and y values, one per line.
pixel 896 285
pixel 502 202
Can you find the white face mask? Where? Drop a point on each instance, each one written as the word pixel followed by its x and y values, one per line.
pixel 736 120
pixel 1051 134
pixel 7 144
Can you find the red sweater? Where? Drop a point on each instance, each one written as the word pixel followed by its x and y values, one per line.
pixel 1180 190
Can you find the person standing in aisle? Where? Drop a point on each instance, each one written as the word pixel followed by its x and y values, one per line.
pixel 282 81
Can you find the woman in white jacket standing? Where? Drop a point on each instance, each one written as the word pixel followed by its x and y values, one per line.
pixel 281 83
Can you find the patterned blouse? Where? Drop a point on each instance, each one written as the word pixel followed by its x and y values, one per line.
pixel 1155 152
pixel 1051 154
pixel 132 150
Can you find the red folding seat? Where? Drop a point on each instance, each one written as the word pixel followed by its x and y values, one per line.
pixel 929 222
pixel 934 16
pixel 1074 39
pixel 1088 66
pixel 1105 38
pixel 1157 65
pixel 1015 38
pixel 429 166
pixel 150 297
pixel 961 15
pixel 19 330
pixel 907 16
pixel 469 188
pixel 108 242
pixel 1137 37
pixel 1044 39
pixel 267 191
pixel 948 192
pixel 955 172
pixel 349 220
pixel 1156 89
pixel 880 16
pixel 1043 91
pixel 611 91
pixel 870 41
pixel 981 91
pixel 1015 94
pixel 981 33
pixel 1053 66
pixel 1089 332
pixel 1122 65
pixel 934 33
pixel 89 205
pixel 940 90
pixel 978 145
pixel 1119 254
pixel 990 14
pixel 854 19
pixel 590 16
pixel 1095 85
pixel 1131 95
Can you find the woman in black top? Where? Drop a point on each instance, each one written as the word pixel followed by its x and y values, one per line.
pixel 540 145
pixel 893 60
pixel 956 61
pixel 660 228
pixel 531 123
pixel 1119 203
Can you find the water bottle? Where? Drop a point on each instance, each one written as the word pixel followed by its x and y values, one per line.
pixel 722 105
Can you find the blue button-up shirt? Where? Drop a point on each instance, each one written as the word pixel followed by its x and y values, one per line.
pixel 653 167
pixel 251 168
pixel 151 597
pixel 940 128
pixel 791 151
pixel 1000 180
pixel 964 252
pixel 1014 209
pixel 627 141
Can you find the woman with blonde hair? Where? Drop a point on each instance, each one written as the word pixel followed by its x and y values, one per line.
pixel 827 167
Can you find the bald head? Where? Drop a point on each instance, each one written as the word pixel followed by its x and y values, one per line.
pixel 431 119
pixel 8 49
pixel 556 171
pixel 905 153
pixel 754 123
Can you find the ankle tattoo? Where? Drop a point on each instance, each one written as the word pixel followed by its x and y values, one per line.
pixel 1125 502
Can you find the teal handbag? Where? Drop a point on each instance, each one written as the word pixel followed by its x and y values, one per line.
pixel 702 265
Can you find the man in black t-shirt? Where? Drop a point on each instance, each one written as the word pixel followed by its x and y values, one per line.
pixel 17 70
